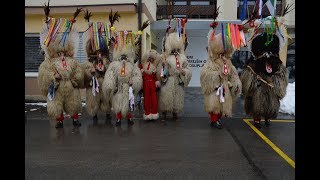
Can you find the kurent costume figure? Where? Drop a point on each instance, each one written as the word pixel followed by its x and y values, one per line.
pixel 123 79
pixel 175 72
pixel 265 78
pixel 60 75
pixel 219 79
pixel 97 40
pixel 148 66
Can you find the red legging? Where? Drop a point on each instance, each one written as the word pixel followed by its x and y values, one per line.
pixel 150 97
pixel 119 116
pixel 61 118
pixel 214 117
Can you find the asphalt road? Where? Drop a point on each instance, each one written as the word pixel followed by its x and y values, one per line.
pixel 184 149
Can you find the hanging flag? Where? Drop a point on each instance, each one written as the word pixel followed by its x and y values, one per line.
pixel 51 91
pixel 271 5
pixel 95 85
pixel 244 10
pixel 260 8
pixel 178 20
pixel 131 99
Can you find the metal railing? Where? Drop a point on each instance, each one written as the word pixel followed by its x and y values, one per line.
pixel 189 11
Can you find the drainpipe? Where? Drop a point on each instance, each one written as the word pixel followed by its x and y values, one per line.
pixel 139 25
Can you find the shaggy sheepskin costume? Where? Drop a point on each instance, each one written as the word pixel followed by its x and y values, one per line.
pixel 264 78
pixel 219 80
pixel 177 75
pixel 123 80
pixel 97 50
pixel 149 66
pixel 94 71
pixel 60 75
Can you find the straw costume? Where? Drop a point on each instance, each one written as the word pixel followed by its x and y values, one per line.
pixel 60 75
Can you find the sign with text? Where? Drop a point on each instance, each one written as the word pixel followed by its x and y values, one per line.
pixel 197 56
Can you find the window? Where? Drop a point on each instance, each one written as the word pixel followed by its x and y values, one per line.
pixel 34 57
pixel 180 3
pixel 200 3
pixel 32 54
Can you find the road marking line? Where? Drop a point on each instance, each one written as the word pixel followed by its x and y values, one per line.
pixel 273 146
pixel 277 120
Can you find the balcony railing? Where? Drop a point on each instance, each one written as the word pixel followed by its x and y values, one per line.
pixel 190 11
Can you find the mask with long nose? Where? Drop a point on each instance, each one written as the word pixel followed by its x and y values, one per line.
pixel 99 65
pixel 175 52
pixel 123 58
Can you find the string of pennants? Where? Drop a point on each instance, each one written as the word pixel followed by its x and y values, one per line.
pixel 234 32
pixel 56 26
pixel 230 32
pixel 101 33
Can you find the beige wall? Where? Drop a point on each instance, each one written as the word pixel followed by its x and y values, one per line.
pixel 228 9
pixel 290 18
pixel 32 91
pixel 153 38
pixel 145 31
pixel 162 2
pixel 152 7
pixel 31 86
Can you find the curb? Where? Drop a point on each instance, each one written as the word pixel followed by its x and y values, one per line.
pixel 40 99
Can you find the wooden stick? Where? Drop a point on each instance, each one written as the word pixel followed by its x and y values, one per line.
pixel 260 78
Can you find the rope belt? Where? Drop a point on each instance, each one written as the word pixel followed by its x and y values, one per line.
pixel 259 77
pixel 266 54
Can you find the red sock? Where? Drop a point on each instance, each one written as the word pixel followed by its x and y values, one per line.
pixel 129 116
pixel 213 117
pixel 118 116
pixel 257 119
pixel 61 118
pixel 75 116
